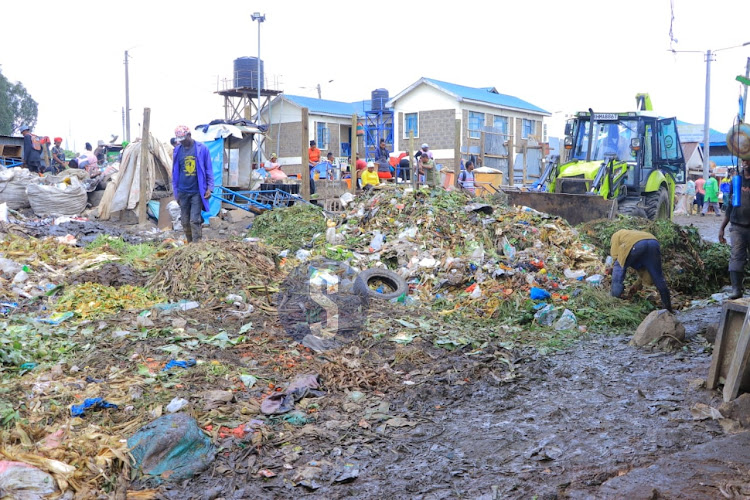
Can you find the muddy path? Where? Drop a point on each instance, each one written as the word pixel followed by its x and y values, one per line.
pixel 555 426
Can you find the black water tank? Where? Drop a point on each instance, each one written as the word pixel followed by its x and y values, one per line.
pixel 246 73
pixel 379 98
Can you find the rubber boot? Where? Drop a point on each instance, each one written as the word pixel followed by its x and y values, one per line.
pixel 737 278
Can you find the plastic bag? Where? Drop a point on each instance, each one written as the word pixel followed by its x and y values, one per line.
pixel 24 481
pixel 595 280
pixel 13 182
pixel 508 249
pixel 546 315
pixel 538 293
pixel 174 211
pixel 171 447
pixel 377 241
pixel 574 275
pixel 56 195
pixel 567 321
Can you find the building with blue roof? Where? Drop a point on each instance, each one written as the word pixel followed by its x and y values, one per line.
pixel 505 124
pixel 329 124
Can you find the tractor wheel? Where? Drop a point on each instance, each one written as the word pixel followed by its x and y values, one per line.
pixel 657 204
pixel 631 208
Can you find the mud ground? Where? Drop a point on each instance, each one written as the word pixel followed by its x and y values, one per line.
pixel 591 421
pixel 599 419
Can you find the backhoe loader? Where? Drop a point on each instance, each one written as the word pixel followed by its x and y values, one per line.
pixel 627 163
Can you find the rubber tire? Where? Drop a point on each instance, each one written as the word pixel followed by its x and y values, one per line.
pixel 631 209
pixel 391 279
pixel 657 204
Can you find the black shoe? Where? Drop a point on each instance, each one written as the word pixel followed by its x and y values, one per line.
pixel 702 214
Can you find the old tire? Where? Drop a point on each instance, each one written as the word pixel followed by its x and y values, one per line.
pixel 369 279
pixel 631 208
pixel 657 204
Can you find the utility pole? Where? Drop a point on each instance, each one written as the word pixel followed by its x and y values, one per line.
pixel 744 94
pixel 706 144
pixel 256 16
pixel 127 100
pixel 319 95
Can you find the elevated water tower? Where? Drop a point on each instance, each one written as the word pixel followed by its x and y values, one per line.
pixel 378 124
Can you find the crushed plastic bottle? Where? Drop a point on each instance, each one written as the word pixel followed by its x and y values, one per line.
pixel 567 321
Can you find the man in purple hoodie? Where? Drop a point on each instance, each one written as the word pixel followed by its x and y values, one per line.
pixel 192 181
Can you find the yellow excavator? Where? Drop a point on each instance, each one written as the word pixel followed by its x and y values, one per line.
pixel 625 162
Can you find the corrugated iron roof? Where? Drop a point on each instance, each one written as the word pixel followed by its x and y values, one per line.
pixel 487 94
pixel 325 106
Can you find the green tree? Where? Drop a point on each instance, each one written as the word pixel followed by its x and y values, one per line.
pixel 17 107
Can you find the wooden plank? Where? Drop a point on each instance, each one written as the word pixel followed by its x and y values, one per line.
pixel 457 154
pixel 719 352
pixel 481 148
pixel 738 367
pixel 730 325
pixel 305 187
pixel 509 177
pixel 353 148
pixel 145 157
pixel 414 165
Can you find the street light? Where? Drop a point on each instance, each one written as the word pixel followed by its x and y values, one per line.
pixel 256 16
pixel 706 129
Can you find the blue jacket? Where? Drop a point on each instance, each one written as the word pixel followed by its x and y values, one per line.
pixel 203 166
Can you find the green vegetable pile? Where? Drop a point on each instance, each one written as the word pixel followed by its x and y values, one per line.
pixel 290 228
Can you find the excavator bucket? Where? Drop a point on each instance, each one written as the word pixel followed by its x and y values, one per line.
pixel 575 208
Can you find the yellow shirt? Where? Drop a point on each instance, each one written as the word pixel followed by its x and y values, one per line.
pixel 622 243
pixel 370 178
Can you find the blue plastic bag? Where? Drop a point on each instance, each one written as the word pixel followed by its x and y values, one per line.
pixel 78 410
pixel 538 293
pixel 178 364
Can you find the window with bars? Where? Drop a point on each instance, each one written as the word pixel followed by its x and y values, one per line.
pixel 500 123
pixel 411 123
pixel 528 128
pixel 476 122
pixel 323 136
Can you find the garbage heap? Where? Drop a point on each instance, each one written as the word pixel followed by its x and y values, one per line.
pixel 482 261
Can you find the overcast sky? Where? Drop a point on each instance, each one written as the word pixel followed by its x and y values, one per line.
pixel 561 56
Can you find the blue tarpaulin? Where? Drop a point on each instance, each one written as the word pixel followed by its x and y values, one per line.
pixel 216 149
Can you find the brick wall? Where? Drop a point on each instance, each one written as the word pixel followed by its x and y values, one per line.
pixel 437 128
pixel 290 140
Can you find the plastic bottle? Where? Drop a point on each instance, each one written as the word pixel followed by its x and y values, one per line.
pixel 736 190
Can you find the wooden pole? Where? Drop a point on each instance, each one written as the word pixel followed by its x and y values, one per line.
pixel 412 162
pixel 305 188
pixel 457 153
pixel 509 181
pixel 353 148
pixel 145 157
pixel 525 151
pixel 482 138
